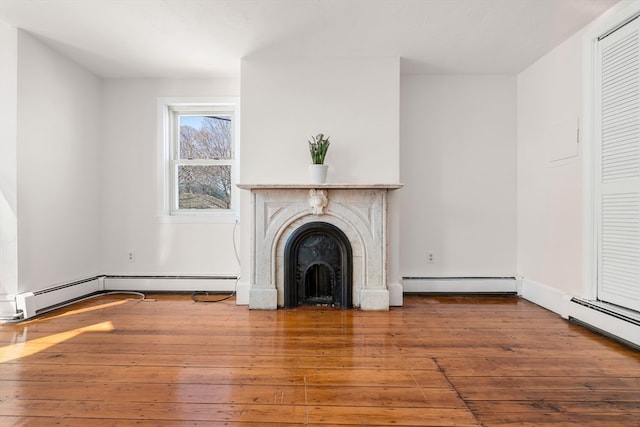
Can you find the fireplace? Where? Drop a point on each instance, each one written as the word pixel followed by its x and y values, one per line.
pixel 318 267
pixel 320 244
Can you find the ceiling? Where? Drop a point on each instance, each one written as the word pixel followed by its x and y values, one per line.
pixel 207 38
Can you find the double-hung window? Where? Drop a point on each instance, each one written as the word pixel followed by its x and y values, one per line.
pixel 200 153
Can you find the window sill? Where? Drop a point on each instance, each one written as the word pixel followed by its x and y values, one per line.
pixel 226 218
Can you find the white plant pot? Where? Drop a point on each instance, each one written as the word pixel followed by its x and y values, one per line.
pixel 318 173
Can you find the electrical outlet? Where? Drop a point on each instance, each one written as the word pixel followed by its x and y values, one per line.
pixel 431 258
pixel 131 256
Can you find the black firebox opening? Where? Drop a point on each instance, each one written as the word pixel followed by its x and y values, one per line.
pixel 318 267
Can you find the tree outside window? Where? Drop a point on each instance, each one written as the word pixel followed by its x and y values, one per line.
pixel 204 175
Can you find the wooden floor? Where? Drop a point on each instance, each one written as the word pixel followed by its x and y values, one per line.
pixel 437 361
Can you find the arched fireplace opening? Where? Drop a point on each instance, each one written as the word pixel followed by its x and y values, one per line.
pixel 318 267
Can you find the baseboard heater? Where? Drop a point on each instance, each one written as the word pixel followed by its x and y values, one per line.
pixel 598 307
pixel 30 304
pixel 469 285
pixel 609 321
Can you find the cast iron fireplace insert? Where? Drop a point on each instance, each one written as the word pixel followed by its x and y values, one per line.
pixel 318 267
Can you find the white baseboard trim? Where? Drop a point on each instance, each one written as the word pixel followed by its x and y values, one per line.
pixel 545 296
pixel 459 285
pixel 395 294
pixel 581 312
pixel 242 293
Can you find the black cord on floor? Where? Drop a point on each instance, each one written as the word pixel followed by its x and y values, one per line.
pixel 196 297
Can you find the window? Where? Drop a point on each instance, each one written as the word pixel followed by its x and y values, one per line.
pixel 199 159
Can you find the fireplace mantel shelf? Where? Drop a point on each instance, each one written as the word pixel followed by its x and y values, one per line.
pixel 329 186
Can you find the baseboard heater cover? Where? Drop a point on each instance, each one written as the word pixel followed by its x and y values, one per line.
pixel 594 306
pixel 30 304
pixel 170 283
pixel 471 285
pixel 611 323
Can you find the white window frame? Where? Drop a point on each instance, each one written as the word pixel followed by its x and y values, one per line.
pixel 169 110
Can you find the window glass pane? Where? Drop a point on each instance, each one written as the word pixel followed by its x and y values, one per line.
pixel 204 187
pixel 205 137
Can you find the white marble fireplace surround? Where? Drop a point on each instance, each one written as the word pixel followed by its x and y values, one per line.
pixel 359 210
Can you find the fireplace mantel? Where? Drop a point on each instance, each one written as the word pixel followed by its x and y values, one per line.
pixel 325 186
pixel 358 210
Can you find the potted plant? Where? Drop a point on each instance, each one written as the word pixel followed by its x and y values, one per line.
pixel 318 146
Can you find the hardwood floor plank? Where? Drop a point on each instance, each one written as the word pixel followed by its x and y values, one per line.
pixel 558 419
pixel 375 377
pixel 406 397
pixel 237 359
pixel 555 395
pixel 436 361
pixel 559 406
pixel 153 375
pixel 82 422
pixel 587 384
pixel 385 416
pixel 159 393
pixel 532 367
pixel 92 410
pixel 558 412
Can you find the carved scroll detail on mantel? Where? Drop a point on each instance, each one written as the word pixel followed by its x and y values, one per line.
pixel 318 201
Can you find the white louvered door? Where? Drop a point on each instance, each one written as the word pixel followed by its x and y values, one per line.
pixel 618 161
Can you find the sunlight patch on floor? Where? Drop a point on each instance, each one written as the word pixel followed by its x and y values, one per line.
pixel 16 351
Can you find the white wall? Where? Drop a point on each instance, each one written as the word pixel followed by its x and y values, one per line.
pixel 58 168
pixel 8 167
pixel 130 187
pixel 550 192
pixel 552 249
pixel 286 101
pixel 458 164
